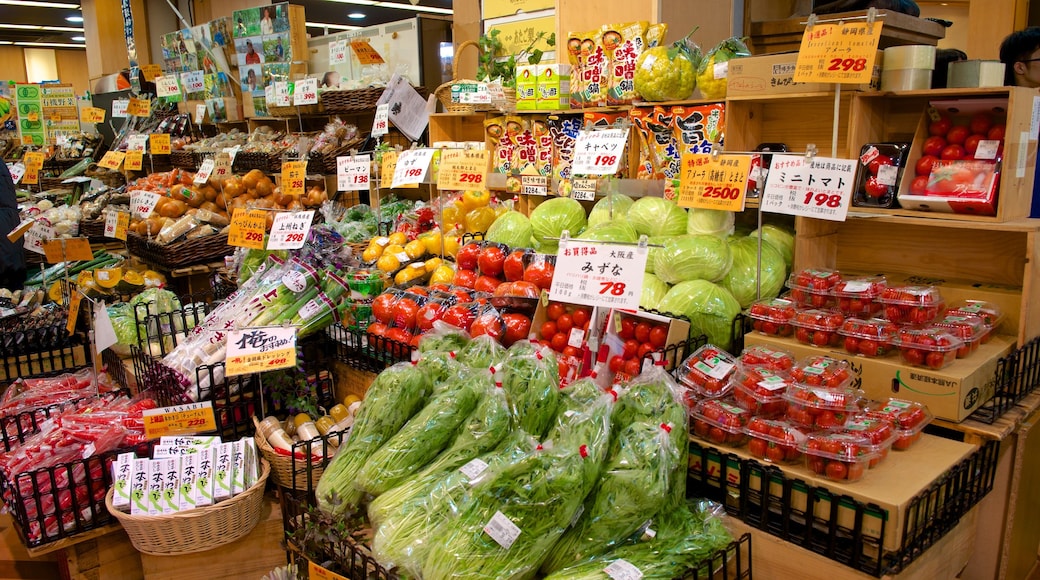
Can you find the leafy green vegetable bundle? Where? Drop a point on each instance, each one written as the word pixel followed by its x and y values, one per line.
pixel 482 352
pixel 531 380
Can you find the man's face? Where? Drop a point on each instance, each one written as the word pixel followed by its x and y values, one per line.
pixel 1027 70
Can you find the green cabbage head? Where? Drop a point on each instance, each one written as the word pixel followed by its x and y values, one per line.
pixel 655 216
pixel 711 309
pixel 741 279
pixel 696 257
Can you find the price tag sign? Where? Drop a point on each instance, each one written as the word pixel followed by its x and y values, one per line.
pixel 709 182
pixel 112 160
pixel 293 177
pixel 151 72
pixel 143 202
pixel 221 166
pixel 116 224
pixel 411 167
pixel 193 82
pixel 387 167
pixel 365 53
pixel 167 86
pixel 306 92
pixel 599 152
pixel 74 302
pixel 254 350
pixel 316 572
pixel 34 159
pixel 190 419
pixel 289 230
pixel 37 236
pixel 353 173
pixel 247 228
pixel 381 124
pixel 69 249
pixel 232 153
pixel 465 171
pixel 281 94
pixel 93 115
pixel 623 570
pixel 139 108
pixel 502 530
pixel 534 185
pixel 31 175
pixel 838 53
pixel 17 171
pixel 160 143
pixel 200 113
pixel 20 229
pixel 338 52
pixel 119 109
pixel 474 93
pixel 269 96
pixel 583 189
pixel 820 188
pixel 133 161
pixel 136 142
pixel 599 274
pixel 205 170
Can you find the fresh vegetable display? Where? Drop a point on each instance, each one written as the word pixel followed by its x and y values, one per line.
pixel 775 441
pixel 823 371
pixel 720 421
pixel 712 74
pixel 930 347
pixel 814 288
pixel 870 338
pixel 879 173
pixel 630 337
pixel 706 372
pixel 760 390
pixel 816 408
pixel 818 327
pixel 761 356
pixel 838 456
pixel 858 296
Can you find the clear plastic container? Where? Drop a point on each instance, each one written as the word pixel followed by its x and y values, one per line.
pixel 879 431
pixel 838 456
pixel 706 372
pixel 858 296
pixel 775 441
pixel 870 338
pixel 772 316
pixel 912 304
pixel 970 329
pixel 878 175
pixel 812 288
pixel 760 355
pixel 815 408
pixel 823 371
pixel 818 327
pixel 929 347
pixel 761 390
pixel 721 421
pixel 990 313
pixel 908 418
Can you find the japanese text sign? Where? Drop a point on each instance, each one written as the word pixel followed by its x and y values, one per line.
pixel 463 170
pixel 714 182
pixel 817 188
pixel 294 175
pixel 599 152
pixel 289 230
pixel 247 228
pixel 838 53
pixel 599 274
pixel 365 53
pixel 411 167
pixel 353 173
pixel 189 419
pixel 252 350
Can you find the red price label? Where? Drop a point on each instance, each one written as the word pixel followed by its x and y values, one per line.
pixel 613 288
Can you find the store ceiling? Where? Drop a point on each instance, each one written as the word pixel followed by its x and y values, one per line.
pixel 21 21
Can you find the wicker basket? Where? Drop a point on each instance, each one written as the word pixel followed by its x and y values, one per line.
pixel 282 465
pixel 353 101
pixel 293 111
pixel 195 530
pixel 249 160
pixel 182 159
pixel 186 252
pixel 94 230
pixel 443 92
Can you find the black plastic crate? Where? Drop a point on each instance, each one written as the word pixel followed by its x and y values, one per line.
pixel 365 352
pixel 1017 375
pixel 15 429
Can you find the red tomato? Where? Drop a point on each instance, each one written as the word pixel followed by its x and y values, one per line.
pixel 459 316
pixel 518 327
pixel 377 329
pixel 958 134
pixel 617 364
pixel 490 324
pixel 952 152
pixel 643 332
pixel 491 261
pixel 524 289
pixel 758 447
pixel 981 123
pixel 941 127
pixel 932 146
pixel 513 267
pixel 540 274
pixel 428 314
pixel 559 341
pixel 996 133
pixel 631 348
pixel 837 470
pixel 628 329
pixel 580 317
pixel 467 256
pixel 571 351
pixel 971 144
pixel 877 162
pixel 399 335
pixel 644 349
pixel 404 313
pixel 923 165
pixel 564 322
pixel 554 310
pixel 659 336
pixel 465 278
pixel 874 188
pixel 935 360
pixel 382 308
pixel 486 284
pixel 633 366
pixel 548 330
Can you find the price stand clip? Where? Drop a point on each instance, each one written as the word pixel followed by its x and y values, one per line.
pixel 810 151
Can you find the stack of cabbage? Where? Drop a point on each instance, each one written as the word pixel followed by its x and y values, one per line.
pixel 450 456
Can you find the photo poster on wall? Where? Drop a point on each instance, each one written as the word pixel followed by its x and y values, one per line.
pixel 200 48
pixel 262 49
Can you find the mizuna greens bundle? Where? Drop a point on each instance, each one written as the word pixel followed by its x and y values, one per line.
pixel 531 378
pixel 482 352
pixel 397 394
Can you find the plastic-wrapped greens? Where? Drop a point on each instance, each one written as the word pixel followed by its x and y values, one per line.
pixel 531 383
pixel 443 337
pixel 440 366
pixel 482 352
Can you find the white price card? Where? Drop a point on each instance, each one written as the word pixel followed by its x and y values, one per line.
pixel 474 468
pixel 583 189
pixel 887 175
pixel 289 230
pixel 165 86
pixel 143 202
pixel 232 152
pixel 200 113
pixel 193 82
pixel 306 92
pixel 534 185
pixel 987 149
pixel 599 274
pixel 17 171
pixel 599 152
pixel 116 223
pixel 119 108
pixel 37 236
pixel 381 124
pixel 221 166
pixel 475 94
pixel 136 142
pixel 623 570
pixel 353 173
pixel 282 94
pixel 412 165
pixel 252 350
pixel 502 530
pixel 205 170
pixel 820 187
pixel 269 96
pixel 338 52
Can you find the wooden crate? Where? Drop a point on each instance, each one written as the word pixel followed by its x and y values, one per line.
pixel 899 29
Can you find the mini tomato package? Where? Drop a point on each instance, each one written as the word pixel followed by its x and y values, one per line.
pixel 772 316
pixel 970 329
pixel 880 169
pixel 812 287
pixel 720 421
pixel 818 327
pixel 817 408
pixel 858 296
pixel 930 347
pixel 990 314
pixel 707 371
pixel 838 456
pixel 775 441
pixel 776 359
pixel 870 338
pixel 823 371
pixel 912 304
pixel 909 419
pixel 760 390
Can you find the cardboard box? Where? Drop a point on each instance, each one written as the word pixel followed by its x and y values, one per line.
pixel 891 486
pixel 613 344
pixel 189 474
pixel 952 393
pixel 223 473
pixel 773 74
pixel 554 87
pixel 526 87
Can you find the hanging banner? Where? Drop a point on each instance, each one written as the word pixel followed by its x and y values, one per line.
pixel 131 46
pixel 29 102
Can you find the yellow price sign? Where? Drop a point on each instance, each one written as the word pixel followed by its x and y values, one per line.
pixel 465 170
pixel 27 140
pixel 150 71
pixel 387 167
pixel 31 175
pixel 74 301
pixel 33 116
pixel 294 174
pixel 34 159
pixel 68 249
pixel 254 350
pixel 116 224
pixel 112 160
pixel 709 182
pixel 159 143
pixel 134 160
pixel 247 228
pixel 316 572
pixel 365 53
pixel 92 115
pixel 190 419
pixel 139 108
pixel 838 53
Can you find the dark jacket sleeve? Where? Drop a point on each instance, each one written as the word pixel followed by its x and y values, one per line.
pixel 11 257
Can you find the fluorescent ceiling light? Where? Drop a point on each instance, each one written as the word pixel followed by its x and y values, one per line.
pixel 331 26
pixel 79 38
pixel 38 27
pixel 35 4
pixel 6 42
pixel 355 16
pixel 74 18
pixel 55 44
pixel 398 5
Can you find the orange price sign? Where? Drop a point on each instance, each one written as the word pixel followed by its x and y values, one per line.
pixel 139 107
pixel 316 572
pixel 365 53
pixel 838 53
pixel 68 249
pixel 708 182
pixel 387 166
pixel 464 170
pixel 293 175
pixel 34 159
pixel 247 228
pixel 134 160
pixel 31 176
pixel 112 160
pixel 27 140
pixel 189 419
pixel 74 301
pixel 92 115
pixel 159 143
pixel 150 71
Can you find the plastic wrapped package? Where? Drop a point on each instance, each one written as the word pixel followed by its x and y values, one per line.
pixel 530 379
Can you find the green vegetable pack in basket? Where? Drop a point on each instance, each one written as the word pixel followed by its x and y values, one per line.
pixel 669 73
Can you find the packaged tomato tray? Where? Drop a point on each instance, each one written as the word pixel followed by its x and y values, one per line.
pixel 707 371
pixel 812 288
pixel 990 314
pixel 759 355
pixel 817 408
pixel 775 441
pixel 823 371
pixel 880 432
pixel 818 327
pixel 858 296
pixel 761 390
pixel 930 347
pixel 838 456
pixel 912 304
pixel 881 168
pixel 870 338
pixel 720 421
pixel 970 329
pixel 908 418
pixel 772 316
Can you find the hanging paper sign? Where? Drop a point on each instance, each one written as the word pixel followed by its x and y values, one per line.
pixel 133 161
pixel 74 301
pixel 306 92
pixel 338 52
pixel 160 143
pixel 599 274
pixel 190 419
pixel 838 53
pixel 387 167
pixel 67 249
pixel 247 228
pixel 222 166
pixel 119 108
pixel 139 108
pixel 293 177
pixel 17 171
pixel 465 171
pixel 817 188
pixel 710 182
pixel 202 175
pixel 253 350
pixel 193 82
pixel 381 124
pixel 116 224
pixel 365 53
pixel 136 142
pixel 112 160
pixel 31 175
pixel 353 173
pixel 93 115
pixel 151 72
pixel 534 185
pixel 166 86
pixel 411 168
pixel 37 236
pixel 289 230
pixel 200 113
pixel 599 152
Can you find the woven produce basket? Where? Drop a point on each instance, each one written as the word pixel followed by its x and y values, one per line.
pixel 292 110
pixel 282 465
pixel 443 92
pixel 182 159
pixel 94 230
pixel 186 252
pixel 249 160
pixel 352 101
pixel 195 530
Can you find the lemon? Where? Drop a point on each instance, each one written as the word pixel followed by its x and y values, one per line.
pixel 432 264
pixel 388 262
pixel 372 253
pixel 398 239
pixel 415 249
pixel 444 274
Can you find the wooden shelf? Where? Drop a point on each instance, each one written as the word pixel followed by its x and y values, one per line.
pixel 916 218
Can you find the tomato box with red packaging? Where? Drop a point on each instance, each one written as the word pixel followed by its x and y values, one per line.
pixel 629 336
pixel 566 329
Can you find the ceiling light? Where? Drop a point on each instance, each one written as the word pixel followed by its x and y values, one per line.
pixel 355 16
pixel 331 26
pixel 38 27
pixel 54 44
pixel 74 18
pixel 35 4
pixel 79 38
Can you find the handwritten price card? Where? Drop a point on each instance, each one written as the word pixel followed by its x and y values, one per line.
pixel 92 115
pixel 838 53
pixel 190 419
pixel 205 170
pixel 316 572
pixel 151 72
pixel 465 170
pixel 116 224
pixel 411 167
pixel 68 249
pixel 289 230
pixel 167 86
pixel 599 274
pixel 142 203
pixel 37 236
pixel 534 185
pixel 293 177
pixel 387 166
pixel 306 92
pixel 160 143
pixel 112 160
pixel 247 228
pixel 338 52
pixel 33 164
pixel 381 123
pixel 365 53
pixel 708 182
pixel 818 188
pixel 254 350
pixel 353 173
pixel 193 82
pixel 133 161
pixel 139 108
pixel 599 152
